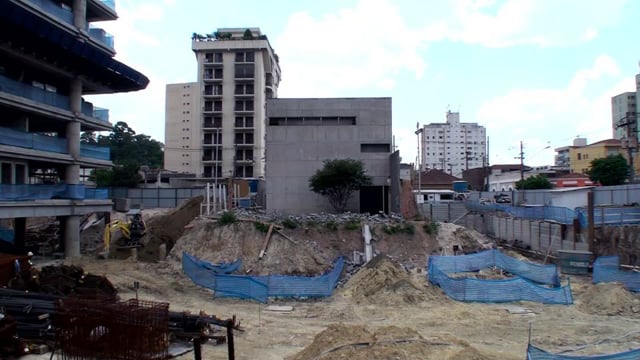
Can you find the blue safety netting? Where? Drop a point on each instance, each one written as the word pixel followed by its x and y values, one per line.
pixel 543 274
pixel 535 353
pixel 22 192
pixel 222 268
pixel 7 235
pixel 261 287
pixel 607 269
pixel 519 288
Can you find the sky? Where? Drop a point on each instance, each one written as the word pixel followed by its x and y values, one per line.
pixel 540 72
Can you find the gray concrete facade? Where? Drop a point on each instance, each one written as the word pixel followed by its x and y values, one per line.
pixel 303 133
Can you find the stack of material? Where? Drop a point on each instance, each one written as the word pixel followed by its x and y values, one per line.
pixel 32 312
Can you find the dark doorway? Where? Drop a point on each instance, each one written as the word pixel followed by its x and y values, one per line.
pixel 374 199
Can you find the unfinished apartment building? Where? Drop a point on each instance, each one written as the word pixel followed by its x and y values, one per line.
pixel 215 127
pixel 50 56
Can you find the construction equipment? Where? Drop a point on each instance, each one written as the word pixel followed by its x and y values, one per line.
pixel 132 230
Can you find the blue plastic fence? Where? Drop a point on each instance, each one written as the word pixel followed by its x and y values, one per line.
pixel 607 269
pixel 519 288
pixel 222 268
pixel 7 235
pixel 10 192
pixel 535 353
pixel 543 274
pixel 610 215
pixel 259 288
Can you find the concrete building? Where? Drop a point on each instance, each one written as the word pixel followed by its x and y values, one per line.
pixel 581 156
pixel 623 119
pixel 51 55
pixel 453 146
pixel 215 127
pixel 303 133
pixel 562 158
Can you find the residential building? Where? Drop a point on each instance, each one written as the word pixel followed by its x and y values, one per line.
pixel 503 177
pixel 215 127
pixel 562 158
pixel 51 55
pixel 623 118
pixel 453 146
pixel 303 133
pixel 581 156
pixel 571 180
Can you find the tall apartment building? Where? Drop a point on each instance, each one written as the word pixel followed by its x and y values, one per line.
pixel 50 56
pixel 453 146
pixel 623 118
pixel 215 127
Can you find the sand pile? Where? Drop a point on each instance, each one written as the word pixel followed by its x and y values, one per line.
pixel 469 241
pixel 355 342
pixel 210 241
pixel 609 299
pixel 383 281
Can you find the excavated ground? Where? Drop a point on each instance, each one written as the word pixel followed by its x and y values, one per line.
pixel 384 310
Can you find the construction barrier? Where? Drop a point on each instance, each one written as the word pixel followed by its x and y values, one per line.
pixel 558 214
pixel 535 353
pixel 222 268
pixel 519 288
pixel 610 215
pixel 607 269
pixel 259 288
pixel 543 274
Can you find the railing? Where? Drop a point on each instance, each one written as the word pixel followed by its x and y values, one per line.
pixel 95 152
pixel 110 4
pixel 101 36
pixel 41 192
pixel 30 92
pixel 96 193
pixel 52 8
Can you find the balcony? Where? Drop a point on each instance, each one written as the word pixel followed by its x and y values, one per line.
pixel 95 112
pixel 111 4
pixel 46 143
pixel 51 8
pixel 102 37
pixel 26 192
pixel 24 90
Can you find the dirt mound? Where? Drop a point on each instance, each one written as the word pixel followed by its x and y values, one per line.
pixel 210 241
pixel 355 342
pixel 167 229
pixel 466 240
pixel 383 281
pixel 609 299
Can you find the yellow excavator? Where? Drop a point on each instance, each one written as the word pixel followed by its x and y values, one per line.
pixel 132 230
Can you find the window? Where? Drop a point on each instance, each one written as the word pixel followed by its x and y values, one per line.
pixel 218 57
pixel 248 56
pixel 6 173
pixel 244 171
pixel 244 155
pixel 244 105
pixel 244 121
pixel 244 138
pixel 244 71
pixel 375 148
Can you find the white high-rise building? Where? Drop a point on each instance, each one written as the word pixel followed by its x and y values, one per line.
pixel 453 146
pixel 623 120
pixel 215 127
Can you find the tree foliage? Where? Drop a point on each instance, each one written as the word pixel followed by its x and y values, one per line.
pixel 534 182
pixel 129 151
pixel 338 179
pixel 612 170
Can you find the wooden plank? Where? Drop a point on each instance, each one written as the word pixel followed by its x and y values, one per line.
pixel 266 242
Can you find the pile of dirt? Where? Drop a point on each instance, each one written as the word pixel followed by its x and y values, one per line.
pixel 609 299
pixel 355 342
pixel 215 243
pixel 166 229
pixel 466 240
pixel 383 281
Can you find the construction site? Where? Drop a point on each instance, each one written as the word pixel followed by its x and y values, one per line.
pixel 379 305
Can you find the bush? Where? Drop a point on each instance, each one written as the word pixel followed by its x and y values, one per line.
pixel 262 227
pixel 331 225
pixel 352 225
pixel 409 229
pixel 431 228
pixel 228 217
pixel 289 223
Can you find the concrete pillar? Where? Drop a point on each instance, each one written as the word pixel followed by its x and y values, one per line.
pixel 71 237
pixel 20 229
pixel 72 172
pixel 80 14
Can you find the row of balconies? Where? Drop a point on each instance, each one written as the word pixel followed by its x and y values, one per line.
pixel 26 192
pixel 66 16
pixel 50 98
pixel 47 143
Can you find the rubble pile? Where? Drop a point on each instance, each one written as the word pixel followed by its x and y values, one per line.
pixel 609 299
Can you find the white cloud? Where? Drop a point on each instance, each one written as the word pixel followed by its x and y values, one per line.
pixel 525 22
pixel 546 116
pixel 354 48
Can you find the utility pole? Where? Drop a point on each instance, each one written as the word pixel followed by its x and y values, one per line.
pixel 418 132
pixel 521 157
pixel 631 141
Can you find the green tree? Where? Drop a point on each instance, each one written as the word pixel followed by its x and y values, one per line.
pixel 125 175
pixel 534 182
pixel 612 170
pixel 88 137
pixel 338 180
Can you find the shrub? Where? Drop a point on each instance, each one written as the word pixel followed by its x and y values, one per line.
pixel 228 217
pixel 289 223
pixel 431 227
pixel 262 227
pixel 352 225
pixel 409 229
pixel 331 225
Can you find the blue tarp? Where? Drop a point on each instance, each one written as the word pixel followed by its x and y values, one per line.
pixel 607 269
pixel 535 353
pixel 520 288
pixel 259 288
pixel 222 268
